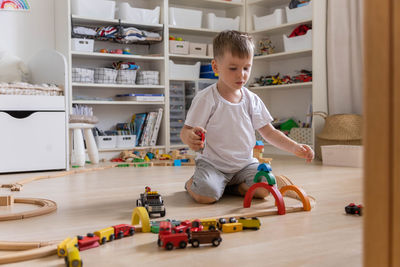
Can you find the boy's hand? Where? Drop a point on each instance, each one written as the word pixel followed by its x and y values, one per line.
pixel 305 152
pixel 194 137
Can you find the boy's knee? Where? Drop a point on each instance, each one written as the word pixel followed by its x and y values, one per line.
pixel 202 198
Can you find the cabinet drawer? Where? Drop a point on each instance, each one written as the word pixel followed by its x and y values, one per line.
pixel 32 141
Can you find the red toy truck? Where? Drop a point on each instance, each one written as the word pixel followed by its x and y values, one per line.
pixel 122 230
pixel 169 239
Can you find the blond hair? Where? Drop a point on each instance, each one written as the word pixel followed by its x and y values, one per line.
pixel 240 44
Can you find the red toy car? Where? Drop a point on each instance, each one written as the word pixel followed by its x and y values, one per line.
pixel 168 239
pixel 122 230
pixel 88 241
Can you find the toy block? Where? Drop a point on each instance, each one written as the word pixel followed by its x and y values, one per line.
pixel 264 167
pixel 273 190
pixel 177 162
pixel 6 200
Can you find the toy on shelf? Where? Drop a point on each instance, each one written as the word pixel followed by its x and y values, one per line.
pixel 152 201
pixel 266 47
pixel 353 209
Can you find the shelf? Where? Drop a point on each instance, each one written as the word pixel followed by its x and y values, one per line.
pixel 99 102
pixel 113 56
pixel 99 85
pixel 195 80
pixel 285 55
pixel 206 58
pixel 219 4
pixel 177 146
pixel 267 3
pixel 92 21
pixel 195 31
pixel 281 28
pixel 282 86
pixel 133 148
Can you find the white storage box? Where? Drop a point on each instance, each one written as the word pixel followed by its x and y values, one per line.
pixel 183 17
pixel 179 47
pixel 32 141
pixel 100 9
pixel 149 77
pixel 105 75
pixel 198 49
pixel 299 13
pixel 138 15
pixel 104 142
pixel 82 75
pixel 183 71
pixel 126 141
pixel 269 21
pixel 126 76
pixel 220 24
pixel 81 44
pixel 210 50
pixel 302 42
pixel 301 135
pixel 342 155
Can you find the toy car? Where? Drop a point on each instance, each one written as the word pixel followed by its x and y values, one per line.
pixel 250 223
pixel 353 209
pixel 152 201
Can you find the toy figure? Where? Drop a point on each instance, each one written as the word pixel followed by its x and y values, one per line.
pixel 266 47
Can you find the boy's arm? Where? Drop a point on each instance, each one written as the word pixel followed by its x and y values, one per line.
pixel 190 138
pixel 280 140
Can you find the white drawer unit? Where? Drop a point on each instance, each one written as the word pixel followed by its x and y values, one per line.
pixel 32 140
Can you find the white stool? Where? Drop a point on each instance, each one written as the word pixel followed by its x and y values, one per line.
pixel 78 150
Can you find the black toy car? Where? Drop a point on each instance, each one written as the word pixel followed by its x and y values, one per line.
pixel 353 209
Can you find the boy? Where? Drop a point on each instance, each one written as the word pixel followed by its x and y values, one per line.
pixel 228 114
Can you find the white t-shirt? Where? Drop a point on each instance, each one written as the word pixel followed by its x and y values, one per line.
pixel 230 127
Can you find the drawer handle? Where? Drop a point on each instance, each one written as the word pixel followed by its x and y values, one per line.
pixel 20 114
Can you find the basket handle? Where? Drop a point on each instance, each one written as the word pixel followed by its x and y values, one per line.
pixel 323 114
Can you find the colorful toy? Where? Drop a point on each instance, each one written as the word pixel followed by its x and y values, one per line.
pixel 106 234
pixel 168 240
pixel 232 227
pixel 153 203
pixel 103 50
pixel 62 247
pixel 87 242
pixel 122 230
pixel 116 51
pixel 73 259
pixel 264 170
pixel 266 47
pixel 250 223
pixel 127 51
pixel 205 237
pixel 353 209
pixel 258 151
pixel 140 214
pixel 209 224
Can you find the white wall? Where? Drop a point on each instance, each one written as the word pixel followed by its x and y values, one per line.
pixel 23 33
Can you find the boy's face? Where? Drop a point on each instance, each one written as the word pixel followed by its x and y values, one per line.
pixel 233 71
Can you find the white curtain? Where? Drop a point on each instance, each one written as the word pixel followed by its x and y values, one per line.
pixel 345 56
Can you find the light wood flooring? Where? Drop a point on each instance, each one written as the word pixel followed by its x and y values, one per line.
pixel 326 236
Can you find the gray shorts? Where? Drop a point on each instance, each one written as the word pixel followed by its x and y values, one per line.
pixel 209 181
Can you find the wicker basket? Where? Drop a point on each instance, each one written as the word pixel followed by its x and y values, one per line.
pixel 339 129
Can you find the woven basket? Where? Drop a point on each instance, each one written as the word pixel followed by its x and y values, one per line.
pixel 339 129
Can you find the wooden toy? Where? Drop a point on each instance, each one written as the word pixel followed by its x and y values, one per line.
pixel 168 240
pixel 104 235
pixel 73 258
pixel 205 237
pixel 269 176
pixel 232 227
pixel 209 224
pixel 140 214
pixel 29 254
pixel 153 203
pixel 122 230
pixel 300 193
pixel 258 153
pixel 273 190
pixel 6 200
pixel 353 209
pixel 46 206
pixel 87 242
pixel 62 247
pixel 250 223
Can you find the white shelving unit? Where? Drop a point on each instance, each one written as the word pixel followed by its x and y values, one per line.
pixel 282 100
pixel 290 100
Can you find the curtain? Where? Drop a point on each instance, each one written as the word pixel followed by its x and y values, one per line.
pixel 345 56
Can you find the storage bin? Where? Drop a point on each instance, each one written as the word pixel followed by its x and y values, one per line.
pixel 179 47
pixel 220 24
pixel 342 155
pixel 183 71
pixel 183 17
pixel 299 13
pixel 301 135
pixel 126 141
pixel 138 15
pixel 32 140
pixel 81 44
pixel 82 75
pixel 104 142
pixel 198 49
pixel 210 50
pixel 105 75
pixel 302 42
pixel 208 75
pixel 126 76
pixel 268 21
pixel 100 9
pixel 149 77
pixel 176 89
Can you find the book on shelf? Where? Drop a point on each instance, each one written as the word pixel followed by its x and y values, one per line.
pixel 139 121
pixel 140 97
pixel 156 128
pixel 148 128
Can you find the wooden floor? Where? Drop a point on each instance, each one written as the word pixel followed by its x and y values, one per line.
pixel 91 201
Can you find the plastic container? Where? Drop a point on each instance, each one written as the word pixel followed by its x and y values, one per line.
pixel 126 141
pixel 81 44
pixel 198 49
pixel 99 9
pixel 105 75
pixel 138 15
pixel 299 13
pixel 220 24
pixel 269 21
pixel 183 71
pixel 149 77
pixel 183 17
pixel 179 47
pixel 82 75
pixel 126 77
pixel 104 142
pixel 342 155
pixel 302 42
